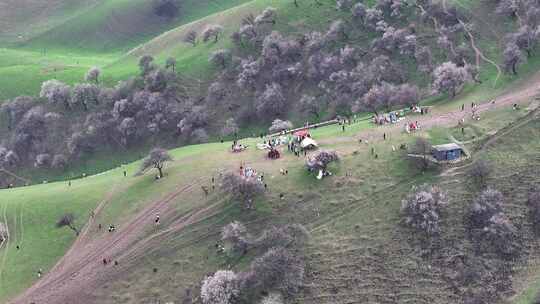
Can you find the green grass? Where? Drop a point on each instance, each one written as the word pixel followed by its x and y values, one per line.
pixel 358 213
pixel 66 52
pixel 41 205
pixel 32 214
pixel 93 36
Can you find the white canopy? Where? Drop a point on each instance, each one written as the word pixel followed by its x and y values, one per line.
pixel 308 143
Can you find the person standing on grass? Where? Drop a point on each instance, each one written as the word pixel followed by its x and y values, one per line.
pixel 39 273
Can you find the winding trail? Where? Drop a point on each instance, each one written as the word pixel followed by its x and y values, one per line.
pixel 73 278
pixel 478 53
pixel 521 94
pixel 80 270
pixel 6 243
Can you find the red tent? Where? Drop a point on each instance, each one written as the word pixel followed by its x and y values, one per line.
pixel 301 133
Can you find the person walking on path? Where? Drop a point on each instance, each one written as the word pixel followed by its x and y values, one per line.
pixel 157 219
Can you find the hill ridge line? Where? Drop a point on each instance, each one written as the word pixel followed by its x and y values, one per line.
pixel 132 51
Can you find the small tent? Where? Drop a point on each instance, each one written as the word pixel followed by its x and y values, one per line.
pixel 308 143
pixel 301 133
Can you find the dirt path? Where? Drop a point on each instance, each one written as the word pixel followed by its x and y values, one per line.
pixel 70 281
pixel 81 270
pixel 5 244
pixel 520 94
pixel 478 53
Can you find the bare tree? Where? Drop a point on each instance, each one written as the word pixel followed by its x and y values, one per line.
pixel 279 125
pixel 268 16
pixel 59 161
pixel 236 238
pixel 507 8
pixel 3 233
pixel 217 92
pixel 146 64
pixel 288 236
pixel 170 63
pixel 229 128
pixel 43 160
pixel 212 30
pixel 221 58
pixel 359 11
pixel 423 148
pixel 379 97
pixel 79 143
pixel 337 31
pixel 278 269
pixel 449 78
pixel 479 172
pixel 242 188
pixel 93 75
pixel 156 80
pixel 11 158
pixel 250 71
pixel 372 17
pixel 486 205
pixel 272 298
pixel 15 109
pixel 310 105
pixel 67 220
pixel 512 57
pixel 199 136
pixel 271 102
pixel 156 159
pixel 191 37
pixel 421 209
pixel 526 38
pixel 424 59
pixel 128 130
pixel 56 92
pixel 220 288
pixel 500 236
pixel 84 94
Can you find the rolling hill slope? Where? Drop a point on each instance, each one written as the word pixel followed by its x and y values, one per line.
pixel 353 218
pixel 67 38
pixel 358 250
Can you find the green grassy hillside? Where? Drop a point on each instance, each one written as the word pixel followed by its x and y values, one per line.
pixel 358 249
pixel 67 38
pixel 114 34
pixel 353 216
pixel 22 20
